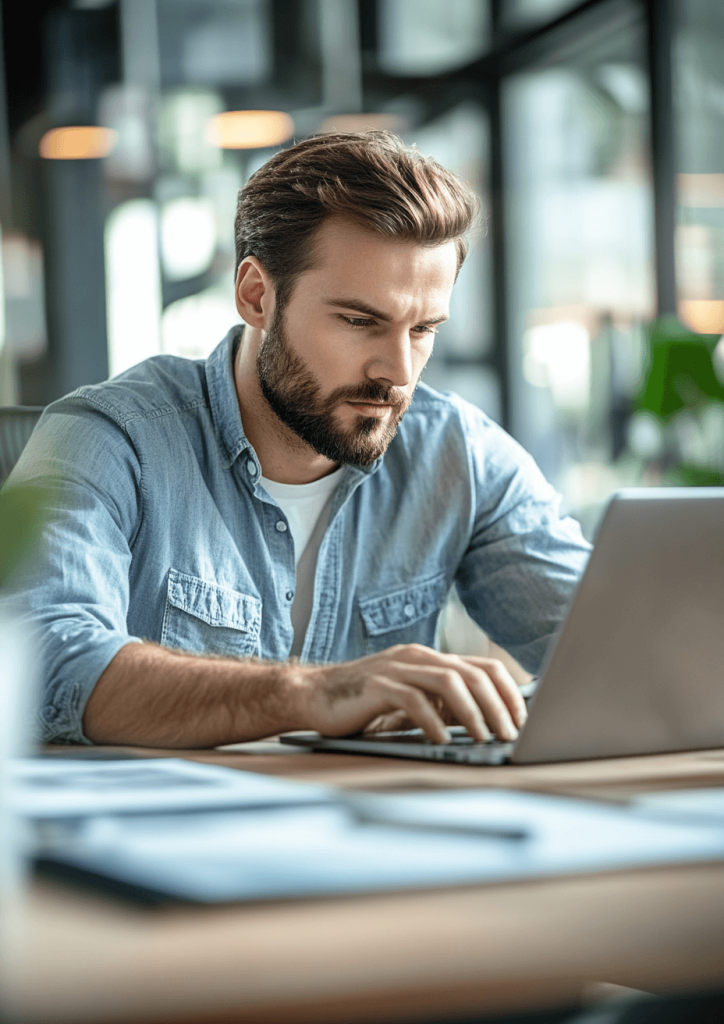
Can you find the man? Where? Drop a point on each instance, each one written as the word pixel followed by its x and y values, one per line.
pixel 214 518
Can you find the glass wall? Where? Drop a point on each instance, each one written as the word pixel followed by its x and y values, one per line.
pixel 460 140
pixel 429 37
pixel 699 104
pixel 578 222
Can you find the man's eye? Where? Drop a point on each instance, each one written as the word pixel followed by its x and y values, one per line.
pixel 424 329
pixel 358 321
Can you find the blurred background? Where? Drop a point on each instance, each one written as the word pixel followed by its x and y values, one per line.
pixel 587 319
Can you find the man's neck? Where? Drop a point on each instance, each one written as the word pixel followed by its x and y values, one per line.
pixel 284 457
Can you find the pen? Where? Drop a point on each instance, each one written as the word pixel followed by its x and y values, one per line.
pixel 514 832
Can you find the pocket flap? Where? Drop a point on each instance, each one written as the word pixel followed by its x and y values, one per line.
pixel 212 603
pixel 403 607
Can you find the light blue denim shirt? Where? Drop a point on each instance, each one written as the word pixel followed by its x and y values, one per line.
pixel 161 530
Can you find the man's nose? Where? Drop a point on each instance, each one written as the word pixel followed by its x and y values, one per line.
pixel 393 360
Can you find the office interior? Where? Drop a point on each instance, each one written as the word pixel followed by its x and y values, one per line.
pixel 588 320
pixel 592 132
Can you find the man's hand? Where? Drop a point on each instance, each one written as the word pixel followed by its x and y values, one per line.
pixel 410 685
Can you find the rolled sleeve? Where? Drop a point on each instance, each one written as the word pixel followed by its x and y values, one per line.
pixel 76 590
pixel 524 560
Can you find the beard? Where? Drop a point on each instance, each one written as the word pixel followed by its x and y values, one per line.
pixel 295 395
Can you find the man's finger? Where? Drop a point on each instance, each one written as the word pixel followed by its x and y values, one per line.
pixel 494 709
pixel 505 685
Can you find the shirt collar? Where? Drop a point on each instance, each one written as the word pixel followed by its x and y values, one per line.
pixel 223 398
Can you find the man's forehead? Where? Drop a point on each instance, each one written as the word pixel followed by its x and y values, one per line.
pixel 351 261
pixel 340 233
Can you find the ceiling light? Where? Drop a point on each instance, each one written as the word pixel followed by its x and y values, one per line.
pixel 362 123
pixel 704 316
pixel 249 129
pixel 701 190
pixel 78 143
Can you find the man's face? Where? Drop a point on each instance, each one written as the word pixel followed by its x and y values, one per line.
pixel 340 362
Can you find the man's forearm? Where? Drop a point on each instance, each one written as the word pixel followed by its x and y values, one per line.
pixel 151 696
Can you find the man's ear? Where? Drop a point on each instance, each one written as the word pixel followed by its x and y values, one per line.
pixel 254 293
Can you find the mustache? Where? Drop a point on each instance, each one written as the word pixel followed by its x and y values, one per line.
pixel 370 391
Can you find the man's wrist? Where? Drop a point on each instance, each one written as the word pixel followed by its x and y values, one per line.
pixel 305 684
pixel 286 694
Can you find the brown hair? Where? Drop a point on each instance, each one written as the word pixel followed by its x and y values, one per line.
pixel 369 177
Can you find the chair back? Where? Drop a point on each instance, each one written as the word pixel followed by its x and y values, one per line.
pixel 17 423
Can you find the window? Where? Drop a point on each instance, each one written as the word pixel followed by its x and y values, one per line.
pixel 579 224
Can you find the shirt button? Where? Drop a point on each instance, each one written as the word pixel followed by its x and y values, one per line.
pixel 290 595
pixel 281 526
pixel 251 467
pixel 409 610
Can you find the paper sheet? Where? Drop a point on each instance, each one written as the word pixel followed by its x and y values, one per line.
pixel 49 788
pixel 702 806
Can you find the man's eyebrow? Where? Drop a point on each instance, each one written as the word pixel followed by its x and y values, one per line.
pixel 364 307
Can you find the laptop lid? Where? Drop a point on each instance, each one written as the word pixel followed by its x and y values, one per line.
pixel 638 666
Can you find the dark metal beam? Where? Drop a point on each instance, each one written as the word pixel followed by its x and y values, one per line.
pixel 76 46
pixel 553 41
pixel 516 51
pixel 75 275
pixel 661 16
pixel 496 18
pixel 501 347
pixel 6 215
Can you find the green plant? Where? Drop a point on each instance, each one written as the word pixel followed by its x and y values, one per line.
pixel 20 521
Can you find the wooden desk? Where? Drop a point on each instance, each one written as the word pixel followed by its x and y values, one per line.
pixel 388 958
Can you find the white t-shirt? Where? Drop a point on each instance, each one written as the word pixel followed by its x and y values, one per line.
pixel 306 507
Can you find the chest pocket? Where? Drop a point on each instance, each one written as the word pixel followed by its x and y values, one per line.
pixel 405 616
pixel 206 618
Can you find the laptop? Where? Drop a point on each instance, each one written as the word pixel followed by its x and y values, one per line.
pixel 638 665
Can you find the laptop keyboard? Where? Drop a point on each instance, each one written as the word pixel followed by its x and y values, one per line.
pixel 459 737
pixel 462 748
